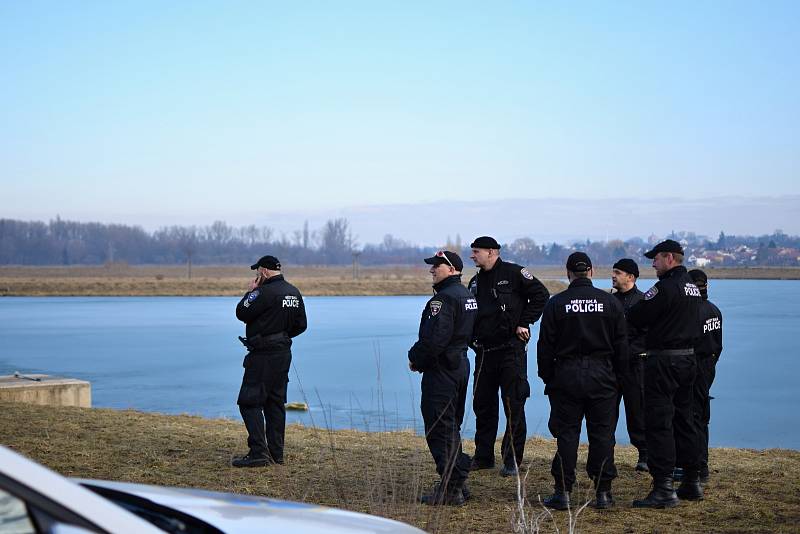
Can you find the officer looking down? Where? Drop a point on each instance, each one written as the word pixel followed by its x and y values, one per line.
pixel 440 354
pixel 273 312
pixel 509 299
pixel 582 348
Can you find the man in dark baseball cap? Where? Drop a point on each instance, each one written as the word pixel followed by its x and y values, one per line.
pixel 668 245
pixel 440 354
pixel 670 312
pixel 273 313
pixel 579 262
pixel 623 279
pixel 448 258
pixel 582 346
pixel 267 262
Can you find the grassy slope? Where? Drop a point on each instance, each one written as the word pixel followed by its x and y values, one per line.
pixel 382 473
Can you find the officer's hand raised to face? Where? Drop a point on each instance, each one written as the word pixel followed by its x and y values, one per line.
pixel 256 282
pixel 524 334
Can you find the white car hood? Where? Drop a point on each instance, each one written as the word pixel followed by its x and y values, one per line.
pixel 235 514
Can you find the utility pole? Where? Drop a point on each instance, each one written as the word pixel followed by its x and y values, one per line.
pixel 356 254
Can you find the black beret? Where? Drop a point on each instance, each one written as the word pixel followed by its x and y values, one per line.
pixel 485 241
pixel 447 257
pixel 579 262
pixel 268 262
pixel 627 265
pixel 665 246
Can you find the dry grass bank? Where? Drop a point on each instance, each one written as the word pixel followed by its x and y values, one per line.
pixel 171 280
pixel 382 473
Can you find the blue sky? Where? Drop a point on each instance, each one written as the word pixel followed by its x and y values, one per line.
pixel 159 112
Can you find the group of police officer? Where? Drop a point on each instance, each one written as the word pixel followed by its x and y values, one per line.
pixel 656 350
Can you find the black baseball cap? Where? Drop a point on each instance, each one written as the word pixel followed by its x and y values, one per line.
pixel 665 246
pixel 578 262
pixel 485 241
pixel 449 258
pixel 627 265
pixel 699 277
pixel 268 262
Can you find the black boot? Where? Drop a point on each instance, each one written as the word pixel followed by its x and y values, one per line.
pixel 641 463
pixel 477 464
pixel 559 500
pixel 451 496
pixel 661 496
pixel 251 460
pixel 603 500
pixel 704 475
pixel 690 489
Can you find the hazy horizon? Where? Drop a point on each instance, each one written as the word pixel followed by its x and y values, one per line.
pixel 558 220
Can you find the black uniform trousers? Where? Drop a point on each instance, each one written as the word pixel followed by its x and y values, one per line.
pixel 591 393
pixel 669 420
pixel 262 401
pixel 506 369
pixel 706 371
pixel 444 393
pixel 632 391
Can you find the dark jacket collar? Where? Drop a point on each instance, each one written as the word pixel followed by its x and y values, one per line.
pixel 450 280
pixel 631 291
pixel 494 267
pixel 677 270
pixel 271 279
pixel 581 282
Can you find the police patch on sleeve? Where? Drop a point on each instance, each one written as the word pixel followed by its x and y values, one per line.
pixel 436 306
pixel 251 297
pixel 526 273
pixel 650 293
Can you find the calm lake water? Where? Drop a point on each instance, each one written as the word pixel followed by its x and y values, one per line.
pixel 181 355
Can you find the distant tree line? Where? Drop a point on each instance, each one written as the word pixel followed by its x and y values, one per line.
pixel 61 242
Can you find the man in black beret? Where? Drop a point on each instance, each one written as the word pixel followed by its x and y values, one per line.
pixel 582 348
pixel 509 299
pixel 623 280
pixel 273 312
pixel 670 312
pixel 707 350
pixel 440 354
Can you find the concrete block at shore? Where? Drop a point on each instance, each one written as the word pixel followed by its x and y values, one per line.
pixel 46 390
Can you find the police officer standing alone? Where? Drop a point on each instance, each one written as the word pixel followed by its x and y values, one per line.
pixel 440 354
pixel 669 310
pixel 273 312
pixel 582 348
pixel 707 350
pixel 509 299
pixel 623 279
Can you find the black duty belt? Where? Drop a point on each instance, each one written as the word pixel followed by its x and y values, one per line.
pixel 493 348
pixel 259 342
pixel 670 352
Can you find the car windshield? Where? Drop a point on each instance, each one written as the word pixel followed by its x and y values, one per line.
pixel 163 517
